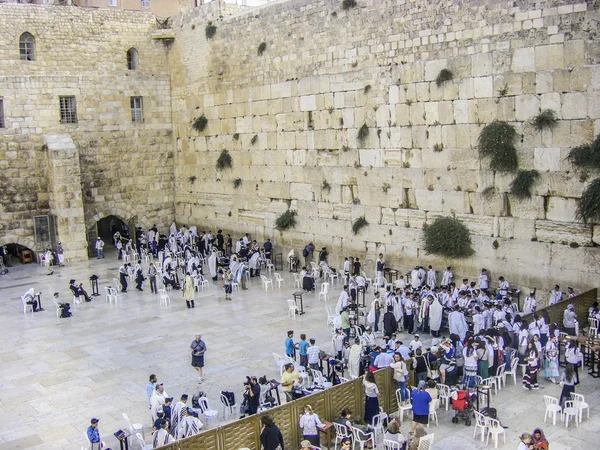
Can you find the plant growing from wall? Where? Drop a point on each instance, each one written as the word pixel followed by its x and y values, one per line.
pixel 225 161
pixel 237 183
pixel 261 48
pixel 191 179
pixel 359 224
pixel 236 136
pixel 496 141
pixel 545 119
pixel 199 124
pixel 523 183
pixel 363 132
pixel 254 139
pixel 326 186
pixel 447 237
pixel 586 156
pixel 438 148
pixel 503 91
pixel 444 75
pixel 286 220
pixel 385 187
pixel 588 208
pixel 347 4
pixel 210 30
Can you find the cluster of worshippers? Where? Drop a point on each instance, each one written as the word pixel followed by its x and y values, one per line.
pixel 171 422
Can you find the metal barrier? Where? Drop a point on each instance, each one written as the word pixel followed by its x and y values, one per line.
pixel 582 303
pixel 328 404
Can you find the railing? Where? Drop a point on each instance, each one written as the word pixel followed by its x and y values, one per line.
pixel 581 302
pixel 328 404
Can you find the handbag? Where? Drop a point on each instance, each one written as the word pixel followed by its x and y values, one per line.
pixel 428 367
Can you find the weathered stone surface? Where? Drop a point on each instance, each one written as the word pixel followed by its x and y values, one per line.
pixel 563 233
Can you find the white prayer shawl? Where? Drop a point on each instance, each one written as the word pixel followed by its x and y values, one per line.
pixel 161 438
pixel 212 264
pixel 190 426
pixel 190 265
pixel 166 263
pixel 415 279
pixel 342 301
pixel 555 297
pixel 431 278
pixel 483 281
pixel 424 310
pixel 529 306
pixel 398 314
pixel 238 246
pixel 157 400
pixel 189 290
pixel 478 323
pixel 447 278
pixel 371 315
pixel 354 361
pixel 436 311
pixel 173 228
pixel 458 324
pixel 443 298
pixel 236 268
pixel 400 283
pixel 253 262
pixel 177 415
pixel 337 322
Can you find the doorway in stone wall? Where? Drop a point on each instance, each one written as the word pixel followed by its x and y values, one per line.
pixel 106 228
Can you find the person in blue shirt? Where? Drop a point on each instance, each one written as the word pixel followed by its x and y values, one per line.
pixel 150 387
pixel 268 246
pixel 94 435
pixel 420 405
pixel 289 345
pixel 303 347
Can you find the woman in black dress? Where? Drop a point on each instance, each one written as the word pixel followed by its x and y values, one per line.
pixel 270 436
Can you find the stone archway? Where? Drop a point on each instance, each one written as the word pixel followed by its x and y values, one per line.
pixel 27 242
pixel 94 215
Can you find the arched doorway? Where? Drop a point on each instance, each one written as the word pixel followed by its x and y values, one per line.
pixel 16 254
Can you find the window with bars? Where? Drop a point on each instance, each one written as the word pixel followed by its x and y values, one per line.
pixel 145 3
pixel 68 109
pixel 137 109
pixel 2 113
pixel 27 47
pixel 132 59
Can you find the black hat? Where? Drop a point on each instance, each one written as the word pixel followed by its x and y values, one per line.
pixel 94 420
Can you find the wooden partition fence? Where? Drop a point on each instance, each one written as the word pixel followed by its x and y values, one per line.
pixel 328 404
pixel 582 303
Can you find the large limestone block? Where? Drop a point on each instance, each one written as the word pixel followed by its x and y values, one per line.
pixel 574 106
pixel 547 159
pixel 412 218
pixel 433 68
pixel 596 235
pixel 428 200
pixel 455 202
pixel 523 60
pixel 483 87
pixel 549 57
pixel 417 113
pixel 561 209
pixel 527 106
pixel 482 64
pixel 301 191
pixel 528 208
pixel 371 157
pixel 480 225
pixel 388 217
pixel 563 233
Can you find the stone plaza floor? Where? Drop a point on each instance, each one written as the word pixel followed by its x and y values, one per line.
pixel 56 374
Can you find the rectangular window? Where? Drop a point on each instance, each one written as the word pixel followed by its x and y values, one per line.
pixel 145 3
pixel 1 113
pixel 68 109
pixel 137 109
pixel 112 2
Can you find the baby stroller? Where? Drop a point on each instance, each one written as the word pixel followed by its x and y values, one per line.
pixel 462 404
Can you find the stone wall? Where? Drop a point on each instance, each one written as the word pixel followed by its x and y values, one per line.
pixel 126 168
pixel 290 119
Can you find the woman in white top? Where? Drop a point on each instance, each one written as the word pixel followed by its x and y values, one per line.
pixel 525 441
pixel 371 401
pixel 310 424
pixel 551 370
pixel 574 356
pixel 400 374
pixel 530 378
pixel 523 338
pixel 470 367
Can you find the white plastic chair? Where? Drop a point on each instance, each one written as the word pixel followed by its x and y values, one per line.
pixel 479 423
pixel 324 291
pixel 292 308
pixel 401 407
pixel 57 305
pixel 330 315
pixel 115 295
pixel 580 404
pixel 378 430
pixel 142 442
pixel 269 265
pixel 117 284
pixel 280 361
pixel 333 276
pixel 266 282
pixel 26 306
pixel 433 406
pixel 108 294
pixel 297 280
pixel 444 394
pixel 391 445
pixel 125 256
pixel 426 442
pixel 203 282
pixel 570 410
pixel 500 376
pixel 494 427
pixel 228 409
pixel 319 379
pixel 164 297
pixel 491 382
pixel 210 415
pixel 340 432
pixel 279 280
pixel 552 408
pixel 134 428
pixel 360 438
pixel 512 372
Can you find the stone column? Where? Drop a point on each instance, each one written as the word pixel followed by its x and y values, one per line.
pixel 66 199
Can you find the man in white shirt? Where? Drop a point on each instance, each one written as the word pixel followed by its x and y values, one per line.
pixel 346 269
pixel 415 343
pixel 555 295
pixel 431 277
pixel 157 399
pixel 503 287
pixel 447 276
pixel 383 359
pixel 313 355
pixel 530 303
pixel 342 300
pixel 99 247
pixel 415 278
pixel 483 280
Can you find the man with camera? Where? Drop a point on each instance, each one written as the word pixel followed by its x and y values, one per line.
pixel 252 394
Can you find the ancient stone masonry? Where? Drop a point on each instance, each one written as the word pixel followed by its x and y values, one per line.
pixel 373 111
pixel 290 117
pixel 124 168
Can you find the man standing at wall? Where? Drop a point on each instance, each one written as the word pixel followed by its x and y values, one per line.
pixel 380 265
pixel 100 247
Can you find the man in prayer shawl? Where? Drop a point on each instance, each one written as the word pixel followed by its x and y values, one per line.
pixel 162 437
pixel 59 254
pixel 189 426
pixel 342 300
pixel 436 312
pixel 354 359
pixel 253 264
pixel 212 265
pixel 431 277
pixel 189 291
pixel 178 414
pixel 457 323
pixel 415 278
pixel 123 278
pixel 157 399
pixel 236 268
pixel 447 276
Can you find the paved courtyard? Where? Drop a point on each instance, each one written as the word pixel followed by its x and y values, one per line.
pixel 55 374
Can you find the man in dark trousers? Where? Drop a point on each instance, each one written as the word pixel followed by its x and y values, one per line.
pixel 268 246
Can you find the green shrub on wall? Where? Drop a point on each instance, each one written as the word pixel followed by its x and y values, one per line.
pixel 545 119
pixel 286 220
pixel 447 237
pixel 200 123
pixel 588 209
pixel 210 30
pixel 359 224
pixel 225 160
pixel 586 156
pixel 496 142
pixel 523 183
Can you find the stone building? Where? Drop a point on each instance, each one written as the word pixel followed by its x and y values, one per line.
pixel 286 88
